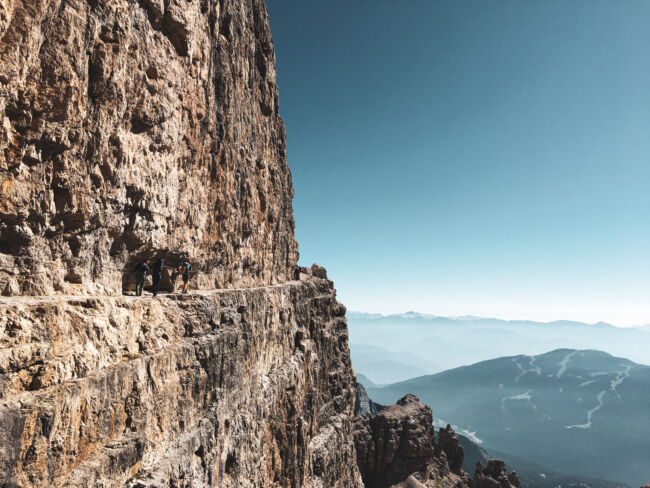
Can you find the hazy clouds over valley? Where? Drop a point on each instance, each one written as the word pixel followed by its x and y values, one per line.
pixel 392 348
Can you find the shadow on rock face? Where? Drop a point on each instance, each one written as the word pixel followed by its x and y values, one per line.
pixel 170 280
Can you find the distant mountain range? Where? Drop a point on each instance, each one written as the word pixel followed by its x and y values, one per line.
pixel 580 412
pixel 396 347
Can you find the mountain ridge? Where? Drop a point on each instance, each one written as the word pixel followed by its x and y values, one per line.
pixel 352 314
pixel 465 341
pixel 567 400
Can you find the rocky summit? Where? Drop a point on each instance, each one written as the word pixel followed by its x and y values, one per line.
pixel 147 129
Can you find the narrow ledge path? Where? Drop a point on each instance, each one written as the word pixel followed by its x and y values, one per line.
pixel 32 300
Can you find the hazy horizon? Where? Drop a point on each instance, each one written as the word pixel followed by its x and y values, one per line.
pixel 467 157
pixel 385 348
pixel 521 318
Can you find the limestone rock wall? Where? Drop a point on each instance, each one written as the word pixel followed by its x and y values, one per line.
pixel 135 128
pixel 243 388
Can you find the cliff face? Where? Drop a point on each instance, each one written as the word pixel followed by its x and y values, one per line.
pixel 130 129
pixel 230 388
pixel 133 129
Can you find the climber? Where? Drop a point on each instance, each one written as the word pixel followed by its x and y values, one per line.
pixel 156 274
pixel 185 273
pixel 141 271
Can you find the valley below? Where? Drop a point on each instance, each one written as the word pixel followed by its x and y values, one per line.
pixel 562 418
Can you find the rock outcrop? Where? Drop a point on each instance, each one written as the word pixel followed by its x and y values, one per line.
pixel 396 443
pixel 396 449
pixel 472 453
pixel 140 128
pixel 363 404
pixel 449 443
pixel 495 475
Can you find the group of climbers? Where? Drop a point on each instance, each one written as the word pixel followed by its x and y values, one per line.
pixel 156 270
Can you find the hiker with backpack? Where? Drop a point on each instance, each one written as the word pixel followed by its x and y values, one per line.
pixel 184 269
pixel 141 271
pixel 156 274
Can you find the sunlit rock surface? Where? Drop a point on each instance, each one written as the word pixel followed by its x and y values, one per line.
pixel 129 129
pixel 233 388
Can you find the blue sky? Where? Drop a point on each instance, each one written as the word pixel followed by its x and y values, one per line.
pixel 470 157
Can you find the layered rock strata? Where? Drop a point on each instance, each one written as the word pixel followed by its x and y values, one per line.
pixel 133 129
pixel 232 388
pixel 397 449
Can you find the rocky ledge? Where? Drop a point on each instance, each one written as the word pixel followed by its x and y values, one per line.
pixel 230 388
pixel 396 449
